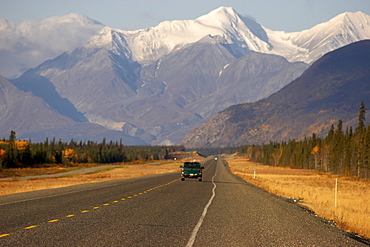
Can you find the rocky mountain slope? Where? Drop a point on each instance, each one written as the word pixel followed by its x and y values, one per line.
pixel 160 102
pixel 159 83
pixel 331 89
pixel 34 119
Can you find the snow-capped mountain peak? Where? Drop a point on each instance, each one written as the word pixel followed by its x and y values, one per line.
pixel 150 44
pixel 221 14
pixel 351 18
pixel 103 39
pixel 72 18
pixel 113 40
pixel 36 41
pixel 69 23
pixel 356 20
pixel 309 45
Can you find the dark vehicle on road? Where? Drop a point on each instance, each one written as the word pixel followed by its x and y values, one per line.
pixel 191 170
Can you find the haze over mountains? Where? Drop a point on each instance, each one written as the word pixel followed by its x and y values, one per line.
pixel 28 44
pixel 157 84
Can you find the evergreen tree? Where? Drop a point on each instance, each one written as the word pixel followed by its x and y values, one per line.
pixel 360 138
pixel 12 150
pixel 361 119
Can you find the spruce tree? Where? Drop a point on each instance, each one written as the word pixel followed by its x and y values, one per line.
pixel 11 162
pixel 360 138
pixel 361 119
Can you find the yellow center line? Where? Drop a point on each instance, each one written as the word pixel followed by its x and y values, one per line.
pixel 85 211
pixel 30 227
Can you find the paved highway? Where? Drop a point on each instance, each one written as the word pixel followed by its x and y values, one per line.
pixel 161 210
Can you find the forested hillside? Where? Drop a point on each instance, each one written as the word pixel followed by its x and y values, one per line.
pixel 339 152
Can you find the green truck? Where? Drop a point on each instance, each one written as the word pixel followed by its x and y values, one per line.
pixel 191 170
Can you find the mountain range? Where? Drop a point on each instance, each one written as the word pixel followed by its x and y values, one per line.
pixel 154 85
pixel 331 89
pixel 18 108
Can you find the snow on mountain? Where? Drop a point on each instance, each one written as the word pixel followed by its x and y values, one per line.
pixel 346 27
pixel 311 44
pixel 241 35
pixel 26 45
pixel 148 45
pixel 157 83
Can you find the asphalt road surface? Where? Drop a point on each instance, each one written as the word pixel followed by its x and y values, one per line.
pixel 162 210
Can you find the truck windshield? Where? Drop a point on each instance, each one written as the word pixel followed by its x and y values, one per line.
pixel 192 165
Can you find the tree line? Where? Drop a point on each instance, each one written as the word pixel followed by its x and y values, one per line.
pixel 339 152
pixel 15 153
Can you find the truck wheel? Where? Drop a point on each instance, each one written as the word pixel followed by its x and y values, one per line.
pixel 200 180
pixel 182 179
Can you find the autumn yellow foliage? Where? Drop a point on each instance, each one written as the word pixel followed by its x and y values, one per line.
pixel 316 149
pixel 68 153
pixel 2 153
pixel 21 145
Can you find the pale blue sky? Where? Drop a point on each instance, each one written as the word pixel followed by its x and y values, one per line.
pixel 280 15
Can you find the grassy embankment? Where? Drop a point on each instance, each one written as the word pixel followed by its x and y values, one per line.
pixel 123 171
pixel 315 191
